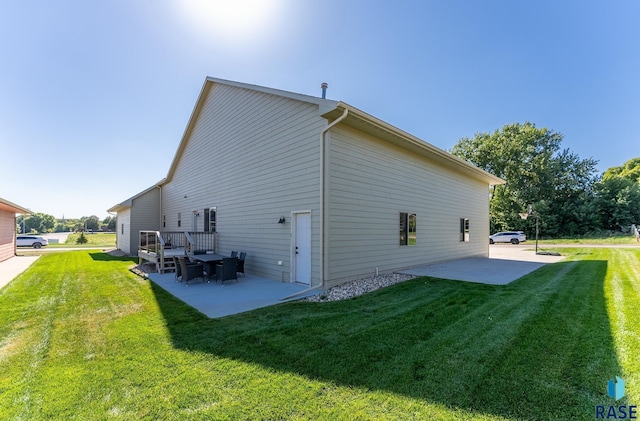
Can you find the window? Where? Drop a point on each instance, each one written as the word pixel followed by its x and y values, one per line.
pixel 179 219
pixel 210 219
pixel 122 229
pixel 464 229
pixel 164 221
pixel 408 229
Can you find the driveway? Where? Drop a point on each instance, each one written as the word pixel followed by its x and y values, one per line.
pixel 505 264
pixel 57 237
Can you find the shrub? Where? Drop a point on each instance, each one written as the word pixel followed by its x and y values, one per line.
pixel 82 239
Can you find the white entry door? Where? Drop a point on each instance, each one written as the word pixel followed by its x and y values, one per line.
pixel 302 247
pixel 194 222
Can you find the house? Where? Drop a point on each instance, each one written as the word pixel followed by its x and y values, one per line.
pixel 315 191
pixel 140 212
pixel 8 213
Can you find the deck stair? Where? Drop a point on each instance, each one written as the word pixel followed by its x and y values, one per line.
pixel 169 266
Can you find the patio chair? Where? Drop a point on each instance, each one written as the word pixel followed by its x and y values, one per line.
pixel 210 269
pixel 234 254
pixel 190 271
pixel 227 270
pixel 178 271
pixel 241 262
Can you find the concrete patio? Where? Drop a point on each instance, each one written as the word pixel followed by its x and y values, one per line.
pixel 505 264
pixel 214 300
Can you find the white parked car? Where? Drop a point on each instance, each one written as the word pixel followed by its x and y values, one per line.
pixel 513 237
pixel 34 241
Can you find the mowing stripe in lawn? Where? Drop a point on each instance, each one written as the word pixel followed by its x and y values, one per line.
pixel 81 337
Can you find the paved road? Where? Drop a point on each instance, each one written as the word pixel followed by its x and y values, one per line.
pixel 31 251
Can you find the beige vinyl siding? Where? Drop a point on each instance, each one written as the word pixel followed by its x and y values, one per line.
pixel 7 235
pixel 371 182
pixel 123 240
pixel 145 215
pixel 255 157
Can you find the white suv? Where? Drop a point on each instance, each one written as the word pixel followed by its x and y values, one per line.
pixel 34 241
pixel 513 237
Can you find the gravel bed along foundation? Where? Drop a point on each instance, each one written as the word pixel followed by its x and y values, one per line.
pixel 358 287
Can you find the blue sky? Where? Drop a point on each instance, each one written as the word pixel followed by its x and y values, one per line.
pixel 95 95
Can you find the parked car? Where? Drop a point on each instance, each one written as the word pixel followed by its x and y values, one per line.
pixel 513 237
pixel 34 241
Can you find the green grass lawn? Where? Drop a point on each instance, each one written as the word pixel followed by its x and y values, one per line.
pixel 98 239
pixel 83 338
pixel 611 240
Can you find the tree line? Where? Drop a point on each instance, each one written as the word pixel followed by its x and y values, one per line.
pixel 42 223
pixel 568 194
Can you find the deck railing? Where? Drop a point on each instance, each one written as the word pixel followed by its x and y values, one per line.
pixel 151 247
pixel 202 241
pixel 150 241
pixel 152 244
pixel 173 239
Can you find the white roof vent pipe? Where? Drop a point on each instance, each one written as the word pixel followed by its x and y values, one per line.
pixel 324 87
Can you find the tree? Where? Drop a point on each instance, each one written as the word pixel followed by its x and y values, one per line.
pixel 618 196
pixel 38 222
pixel 556 182
pixel 110 223
pixel 629 170
pixel 91 223
pixel 81 239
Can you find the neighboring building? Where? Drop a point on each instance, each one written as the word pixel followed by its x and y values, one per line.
pixel 140 212
pixel 313 190
pixel 8 213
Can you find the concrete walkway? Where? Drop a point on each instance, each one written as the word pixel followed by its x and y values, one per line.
pixel 505 264
pixel 13 267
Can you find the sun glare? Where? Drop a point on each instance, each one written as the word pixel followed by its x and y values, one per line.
pixel 237 19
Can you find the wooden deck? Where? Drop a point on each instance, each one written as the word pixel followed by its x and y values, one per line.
pixel 160 247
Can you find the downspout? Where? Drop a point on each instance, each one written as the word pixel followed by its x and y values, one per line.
pixel 322 188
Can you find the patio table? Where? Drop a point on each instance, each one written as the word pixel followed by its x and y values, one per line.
pixel 207 258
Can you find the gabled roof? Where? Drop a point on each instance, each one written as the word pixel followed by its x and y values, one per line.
pixel 356 118
pixel 7 206
pixel 129 202
pixel 324 105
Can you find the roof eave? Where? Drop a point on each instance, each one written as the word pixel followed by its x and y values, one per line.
pixel 412 141
pixel 8 206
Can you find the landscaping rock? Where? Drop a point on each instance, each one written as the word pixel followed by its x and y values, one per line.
pixel 358 287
